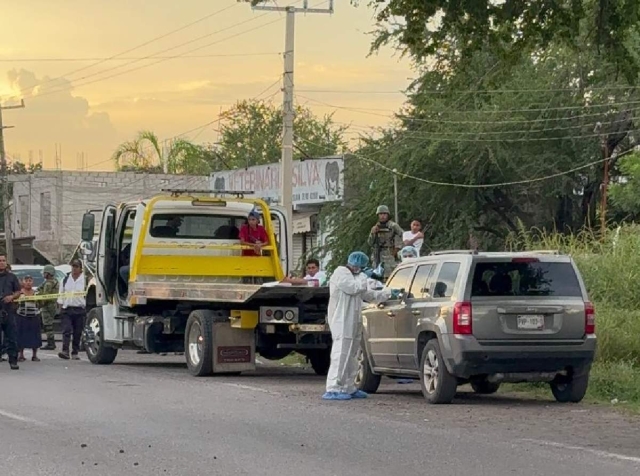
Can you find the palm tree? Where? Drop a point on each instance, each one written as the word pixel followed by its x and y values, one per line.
pixel 146 154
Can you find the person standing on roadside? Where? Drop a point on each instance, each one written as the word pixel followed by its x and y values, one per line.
pixel 29 336
pixel 48 308
pixel 386 240
pixel 414 237
pixel 10 290
pixel 73 311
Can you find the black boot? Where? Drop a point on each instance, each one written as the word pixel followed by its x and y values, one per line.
pixel 14 365
pixel 51 344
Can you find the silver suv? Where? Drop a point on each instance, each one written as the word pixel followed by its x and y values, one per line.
pixel 482 318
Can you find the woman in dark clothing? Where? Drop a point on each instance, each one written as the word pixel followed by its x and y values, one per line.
pixel 29 334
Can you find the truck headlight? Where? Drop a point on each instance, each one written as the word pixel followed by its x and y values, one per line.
pixel 289 315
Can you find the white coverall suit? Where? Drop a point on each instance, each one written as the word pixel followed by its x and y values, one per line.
pixel 347 291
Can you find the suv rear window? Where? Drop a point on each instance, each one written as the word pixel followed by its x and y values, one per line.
pixel 525 279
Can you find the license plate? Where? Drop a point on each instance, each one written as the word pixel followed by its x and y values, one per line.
pixel 531 322
pixel 312 327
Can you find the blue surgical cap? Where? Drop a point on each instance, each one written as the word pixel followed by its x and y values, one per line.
pixel 358 259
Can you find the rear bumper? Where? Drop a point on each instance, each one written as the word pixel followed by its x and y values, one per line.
pixel 465 356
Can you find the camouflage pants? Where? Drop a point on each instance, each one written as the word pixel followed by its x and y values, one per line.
pixel 389 262
pixel 47 323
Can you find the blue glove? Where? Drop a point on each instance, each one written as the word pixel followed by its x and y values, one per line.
pixel 368 272
pixel 395 293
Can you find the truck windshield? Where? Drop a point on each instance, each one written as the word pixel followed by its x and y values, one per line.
pixel 497 279
pixel 196 226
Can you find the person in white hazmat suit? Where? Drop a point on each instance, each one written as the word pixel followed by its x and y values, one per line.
pixel 407 252
pixel 348 287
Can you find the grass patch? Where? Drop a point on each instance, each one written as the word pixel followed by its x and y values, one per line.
pixel 615 384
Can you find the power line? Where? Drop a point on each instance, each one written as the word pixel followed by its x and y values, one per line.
pixel 129 58
pixel 72 86
pixel 473 111
pixel 472 91
pixel 218 12
pixel 479 186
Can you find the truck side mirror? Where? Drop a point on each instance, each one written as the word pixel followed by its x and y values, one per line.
pixel 88 226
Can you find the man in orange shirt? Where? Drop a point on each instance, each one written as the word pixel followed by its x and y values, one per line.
pixel 253 234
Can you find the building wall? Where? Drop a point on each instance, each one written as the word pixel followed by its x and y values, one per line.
pixel 49 205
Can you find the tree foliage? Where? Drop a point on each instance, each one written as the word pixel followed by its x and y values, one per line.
pixel 452 31
pixel 251 134
pixel 493 146
pixel 146 153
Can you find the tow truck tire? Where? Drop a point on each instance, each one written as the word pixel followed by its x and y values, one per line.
pixel 320 361
pixel 198 343
pixel 98 352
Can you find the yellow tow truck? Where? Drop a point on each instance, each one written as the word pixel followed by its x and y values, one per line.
pixel 188 288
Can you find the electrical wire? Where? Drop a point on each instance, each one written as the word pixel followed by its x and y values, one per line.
pixel 129 58
pixel 479 186
pixel 73 86
pixel 157 38
pixel 485 122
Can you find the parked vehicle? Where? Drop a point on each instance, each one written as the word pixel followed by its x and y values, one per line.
pixel 192 289
pixel 482 318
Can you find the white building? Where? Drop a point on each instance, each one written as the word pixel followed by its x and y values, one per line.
pixel 49 205
pixel 315 182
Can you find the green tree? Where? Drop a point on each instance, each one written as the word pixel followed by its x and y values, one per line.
pixel 625 191
pixel 482 127
pixel 146 153
pixel 451 32
pixel 251 134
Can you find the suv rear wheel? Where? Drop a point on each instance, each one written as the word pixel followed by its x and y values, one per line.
pixel 570 389
pixel 366 380
pixel 483 387
pixel 438 385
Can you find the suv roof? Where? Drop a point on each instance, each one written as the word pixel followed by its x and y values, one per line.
pixel 495 254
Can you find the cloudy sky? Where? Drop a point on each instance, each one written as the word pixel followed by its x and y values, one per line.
pixel 56 55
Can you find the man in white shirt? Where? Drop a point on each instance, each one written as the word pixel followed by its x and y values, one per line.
pixel 73 310
pixel 414 237
pixel 314 276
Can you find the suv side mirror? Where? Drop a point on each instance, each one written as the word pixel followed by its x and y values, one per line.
pixel 88 226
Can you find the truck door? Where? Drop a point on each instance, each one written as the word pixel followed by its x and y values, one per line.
pixel 106 273
pixel 280 226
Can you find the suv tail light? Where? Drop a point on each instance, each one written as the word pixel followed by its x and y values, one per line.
pixel 589 318
pixel 462 318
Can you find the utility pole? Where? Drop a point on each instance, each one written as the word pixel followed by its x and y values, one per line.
pixel 6 195
pixel 395 195
pixel 286 164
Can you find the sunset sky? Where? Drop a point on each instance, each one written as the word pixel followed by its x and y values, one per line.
pixel 89 111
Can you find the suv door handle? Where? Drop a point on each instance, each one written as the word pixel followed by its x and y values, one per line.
pixel 416 312
pixel 391 313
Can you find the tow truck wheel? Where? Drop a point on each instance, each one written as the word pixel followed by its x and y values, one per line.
pixel 198 343
pixel 97 351
pixel 320 361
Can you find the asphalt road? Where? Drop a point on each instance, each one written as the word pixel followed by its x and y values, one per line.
pixel 145 415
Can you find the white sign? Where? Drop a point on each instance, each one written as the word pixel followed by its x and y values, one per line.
pixel 314 180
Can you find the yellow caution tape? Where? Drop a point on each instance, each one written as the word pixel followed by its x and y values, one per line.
pixel 50 297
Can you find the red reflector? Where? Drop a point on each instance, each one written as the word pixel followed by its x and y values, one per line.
pixel 269 313
pixel 462 318
pixel 589 318
pixel 525 260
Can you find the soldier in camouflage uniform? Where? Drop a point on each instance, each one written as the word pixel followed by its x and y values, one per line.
pixel 49 308
pixel 386 241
